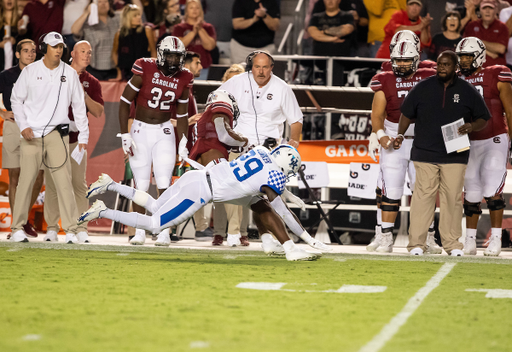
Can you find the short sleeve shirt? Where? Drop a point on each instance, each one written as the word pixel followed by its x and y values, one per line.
pixel 496 33
pixel 322 21
pixel 44 18
pixel 258 35
pixel 182 29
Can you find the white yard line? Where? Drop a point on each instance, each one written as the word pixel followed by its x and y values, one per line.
pixel 400 319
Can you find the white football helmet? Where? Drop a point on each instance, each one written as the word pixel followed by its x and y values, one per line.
pixel 170 45
pixel 405 35
pixel 224 97
pixel 407 50
pixel 287 158
pixel 471 46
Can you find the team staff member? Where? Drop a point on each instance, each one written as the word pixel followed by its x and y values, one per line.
pixel 81 56
pixel 434 102
pixel 26 54
pixel 40 101
pixel 487 165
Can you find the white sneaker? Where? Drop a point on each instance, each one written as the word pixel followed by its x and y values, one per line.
pixel 432 247
pixel 71 238
pixel 299 254
pixel 163 239
pixel 386 243
pixel 493 246
pixel 470 246
pixel 375 243
pixel 139 238
pixel 93 212
pixel 416 251
pixel 51 236
pixel 19 236
pixel 233 240
pixel 273 247
pixel 99 187
pixel 83 237
pixel 316 244
pixel 457 253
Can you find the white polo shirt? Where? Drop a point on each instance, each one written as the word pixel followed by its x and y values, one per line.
pixel 263 111
pixel 41 99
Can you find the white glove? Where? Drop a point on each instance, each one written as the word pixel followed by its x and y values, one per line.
pixel 182 148
pixel 373 145
pixel 129 146
pixel 292 198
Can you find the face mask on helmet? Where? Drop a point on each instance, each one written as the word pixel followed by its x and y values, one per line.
pixel 405 58
pixel 470 49
pixel 288 159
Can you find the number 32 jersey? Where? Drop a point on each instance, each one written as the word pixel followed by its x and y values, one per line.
pixel 160 92
pixel 243 178
pixel 396 89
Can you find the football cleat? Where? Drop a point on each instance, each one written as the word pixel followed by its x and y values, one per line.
pixel 470 246
pixel 493 246
pixel 316 244
pixel 93 212
pixel 297 254
pixel 163 239
pixel 375 243
pixel 100 186
pixel 140 237
pixel 386 243
pixel 273 248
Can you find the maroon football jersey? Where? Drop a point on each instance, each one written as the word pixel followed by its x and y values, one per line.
pixel 386 65
pixel 486 83
pixel 396 89
pixel 158 91
pixel 205 135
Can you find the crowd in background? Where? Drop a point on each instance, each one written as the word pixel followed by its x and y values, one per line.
pixel 121 32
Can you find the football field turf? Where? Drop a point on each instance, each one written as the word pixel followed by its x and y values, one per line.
pixel 58 297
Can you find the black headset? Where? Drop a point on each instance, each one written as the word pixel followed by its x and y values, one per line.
pixel 250 57
pixel 43 46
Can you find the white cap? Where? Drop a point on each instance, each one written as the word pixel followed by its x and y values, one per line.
pixel 53 38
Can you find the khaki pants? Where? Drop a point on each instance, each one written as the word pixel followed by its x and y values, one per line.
pixel 30 163
pixel 51 204
pixel 448 180
pixel 201 220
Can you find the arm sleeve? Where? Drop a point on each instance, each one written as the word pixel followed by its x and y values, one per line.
pixel 79 109
pixel 223 134
pixel 19 94
pixel 290 107
pixel 283 211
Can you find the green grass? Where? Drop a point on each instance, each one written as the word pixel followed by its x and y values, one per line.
pixel 152 299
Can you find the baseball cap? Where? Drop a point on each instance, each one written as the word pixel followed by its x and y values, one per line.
pixel 414 2
pixel 53 38
pixel 488 3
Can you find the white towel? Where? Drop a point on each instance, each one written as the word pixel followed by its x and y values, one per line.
pixel 93 16
pixel 8 53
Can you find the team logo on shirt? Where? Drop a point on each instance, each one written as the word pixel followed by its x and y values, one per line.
pixel 86 84
pixel 269 96
pixel 456 98
pixel 63 78
pixel 399 79
pixel 496 140
pixel 156 75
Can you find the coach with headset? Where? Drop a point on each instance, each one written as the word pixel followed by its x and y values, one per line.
pixel 40 101
pixel 265 101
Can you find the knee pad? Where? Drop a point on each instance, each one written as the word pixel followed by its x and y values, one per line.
pixel 471 209
pixel 394 204
pixel 496 204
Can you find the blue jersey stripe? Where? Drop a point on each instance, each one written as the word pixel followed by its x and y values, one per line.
pixel 175 212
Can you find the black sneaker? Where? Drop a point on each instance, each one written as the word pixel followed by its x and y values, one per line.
pixel 204 236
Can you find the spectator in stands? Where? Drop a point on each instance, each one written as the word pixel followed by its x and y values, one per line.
pixel 379 14
pixel 216 14
pixel 44 16
pixel 9 16
pixel 101 37
pixel 358 11
pixel 73 9
pixel 197 35
pixel 232 71
pixel 506 17
pixel 133 41
pixel 491 31
pixel 332 30
pixel 172 16
pixel 406 19
pixel 254 25
pixel 449 38
pixel 437 9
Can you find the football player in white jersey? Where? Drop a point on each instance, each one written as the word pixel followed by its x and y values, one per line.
pixel 243 181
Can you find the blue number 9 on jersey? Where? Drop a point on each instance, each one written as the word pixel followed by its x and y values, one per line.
pixel 251 166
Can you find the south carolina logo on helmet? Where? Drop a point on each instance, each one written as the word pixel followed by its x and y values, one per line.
pixel 224 98
pixel 405 50
pixel 405 35
pixel 287 158
pixel 474 47
pixel 170 45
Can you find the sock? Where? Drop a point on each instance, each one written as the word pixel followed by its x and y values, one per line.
pixel 138 197
pixel 379 217
pixel 267 238
pixel 471 233
pixel 131 219
pixel 387 225
pixel 289 246
pixel 495 232
pixel 306 237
